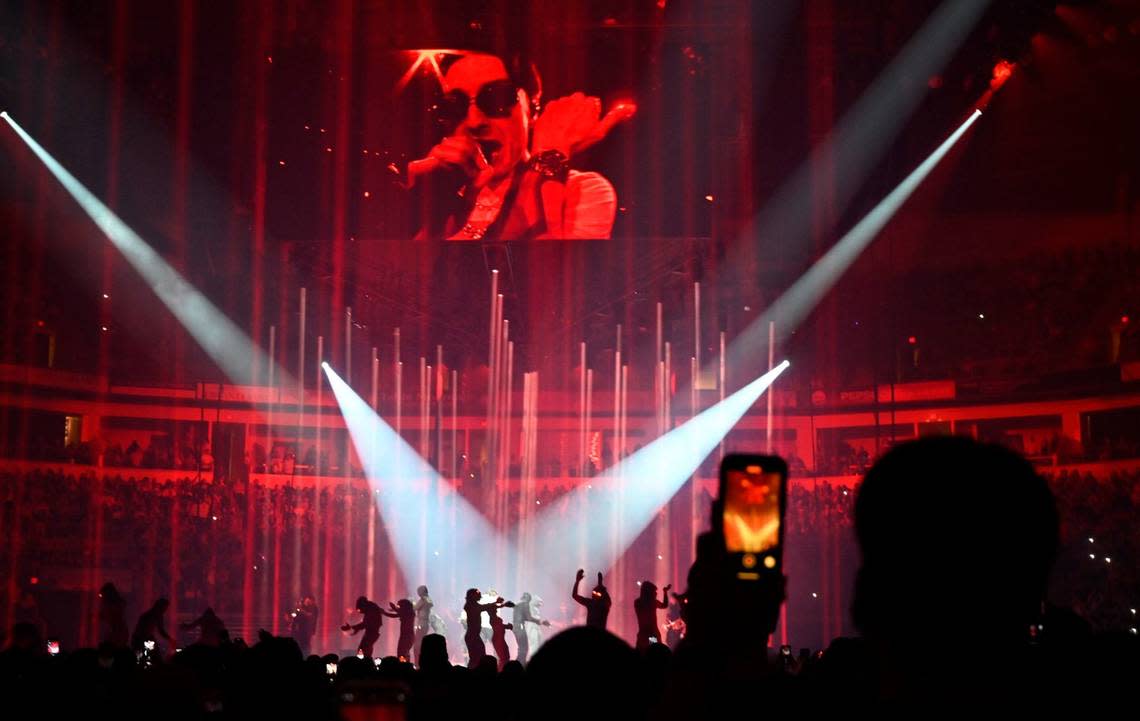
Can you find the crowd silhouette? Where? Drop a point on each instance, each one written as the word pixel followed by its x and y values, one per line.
pixel 950 603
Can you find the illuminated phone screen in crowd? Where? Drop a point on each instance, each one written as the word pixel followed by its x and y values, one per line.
pixel 751 510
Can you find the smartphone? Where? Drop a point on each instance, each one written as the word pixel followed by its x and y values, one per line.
pixel 330 668
pixel 753 497
pixel 53 647
pixel 148 645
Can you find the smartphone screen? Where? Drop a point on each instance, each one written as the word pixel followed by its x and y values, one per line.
pixel 752 495
pixel 53 647
pixel 752 510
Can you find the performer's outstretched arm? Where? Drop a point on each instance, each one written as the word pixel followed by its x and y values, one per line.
pixel 574 592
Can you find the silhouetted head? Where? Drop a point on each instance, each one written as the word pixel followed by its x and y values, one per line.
pixel 361 603
pixel 488 666
pixel 472 595
pixel 161 605
pixel 422 591
pixel 404 605
pixel 585 667
pixel 957 539
pixel 26 638
pixel 433 653
pixel 110 593
pixel 648 590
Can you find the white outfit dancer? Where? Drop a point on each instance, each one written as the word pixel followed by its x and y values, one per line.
pixel 534 631
pixel 424 613
pixel 527 626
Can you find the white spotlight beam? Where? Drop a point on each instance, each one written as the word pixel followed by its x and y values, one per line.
pixel 870 125
pixel 646 480
pixel 418 504
pixel 799 300
pixel 222 340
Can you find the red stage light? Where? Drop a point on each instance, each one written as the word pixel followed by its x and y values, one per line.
pixel 1002 70
pixel 1124 319
pixel 912 340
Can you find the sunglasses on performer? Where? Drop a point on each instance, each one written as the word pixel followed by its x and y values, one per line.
pixel 496 99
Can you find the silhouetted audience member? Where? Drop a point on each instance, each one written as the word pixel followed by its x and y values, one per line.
pixel 433 652
pixel 586 669
pixel 954 578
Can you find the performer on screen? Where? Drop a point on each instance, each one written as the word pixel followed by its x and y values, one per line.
pixel 502 169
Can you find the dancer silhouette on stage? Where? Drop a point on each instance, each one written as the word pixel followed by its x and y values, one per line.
pixel 474 611
pixel 212 631
pixel 303 622
pixel 406 612
pixel 499 634
pixel 674 621
pixel 150 626
pixel 646 606
pixel 423 610
pixel 523 619
pixel 113 617
pixel 597 604
pixel 370 624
